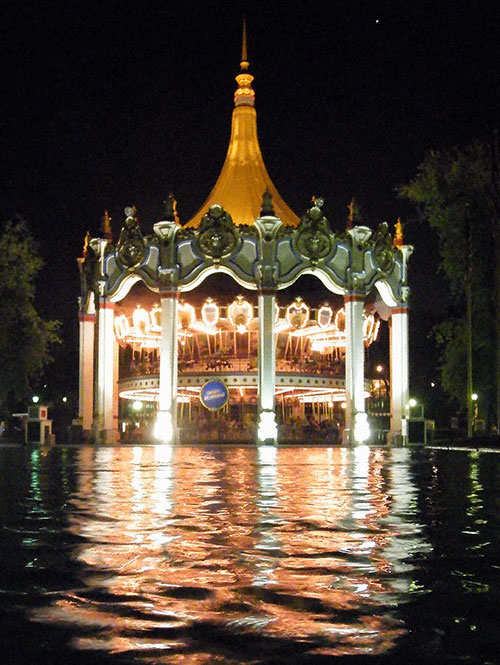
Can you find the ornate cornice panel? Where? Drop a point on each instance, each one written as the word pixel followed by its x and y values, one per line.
pixel 265 255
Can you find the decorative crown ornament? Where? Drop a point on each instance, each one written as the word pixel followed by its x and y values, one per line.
pixel 313 239
pixel 217 236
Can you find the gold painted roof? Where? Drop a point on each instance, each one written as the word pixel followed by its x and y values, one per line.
pixel 244 177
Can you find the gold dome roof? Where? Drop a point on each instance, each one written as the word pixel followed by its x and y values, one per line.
pixel 244 177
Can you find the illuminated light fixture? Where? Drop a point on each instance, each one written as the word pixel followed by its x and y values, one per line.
pixel 141 320
pixel 187 315
pixel 323 398
pixel 210 313
pixel 340 320
pixel 64 399
pixel 297 314
pixel 325 314
pixel 361 427
pixel 379 368
pixel 370 328
pixel 343 405
pixel 240 313
pixel 155 318
pixel 35 399
pixel 137 405
pixel 143 394
pixel 281 325
pixel 474 397
pixel 412 402
pixel 164 428
pixel 122 327
pixel 320 345
pixel 267 428
pixel 326 343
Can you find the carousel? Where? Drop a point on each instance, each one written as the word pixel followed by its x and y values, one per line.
pixel 153 336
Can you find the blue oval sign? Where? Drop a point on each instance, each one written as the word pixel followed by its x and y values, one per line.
pixel 214 395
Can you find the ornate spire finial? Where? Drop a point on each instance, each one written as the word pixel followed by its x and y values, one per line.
pixel 350 219
pixel 244 95
pixel 398 237
pixel 267 205
pixel 170 209
pixel 244 58
pixel 106 227
pixel 86 245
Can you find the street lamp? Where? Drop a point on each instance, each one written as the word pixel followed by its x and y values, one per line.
pixel 474 397
pixel 378 383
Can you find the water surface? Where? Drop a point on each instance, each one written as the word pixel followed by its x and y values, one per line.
pixel 223 554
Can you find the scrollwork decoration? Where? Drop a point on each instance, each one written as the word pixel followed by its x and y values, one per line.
pixel 131 248
pixel 383 252
pixel 313 237
pixel 217 236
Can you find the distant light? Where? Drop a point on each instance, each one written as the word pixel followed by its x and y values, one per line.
pixel 164 428
pixel 379 368
pixel 35 399
pixel 137 405
pixel 412 402
pixel 474 397
pixel 344 405
pixel 361 428
pixel 377 20
pixel 65 399
pixel 267 428
pixel 433 384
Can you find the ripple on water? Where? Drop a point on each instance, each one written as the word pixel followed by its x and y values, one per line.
pixel 226 555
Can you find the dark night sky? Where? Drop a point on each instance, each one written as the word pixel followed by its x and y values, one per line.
pixel 107 104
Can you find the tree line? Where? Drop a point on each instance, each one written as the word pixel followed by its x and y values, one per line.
pixel 457 192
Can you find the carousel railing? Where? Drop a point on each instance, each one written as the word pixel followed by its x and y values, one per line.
pixel 236 365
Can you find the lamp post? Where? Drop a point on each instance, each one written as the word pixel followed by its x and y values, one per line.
pixel 379 369
pixel 474 409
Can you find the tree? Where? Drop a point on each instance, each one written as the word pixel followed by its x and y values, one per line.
pixel 453 192
pixel 25 339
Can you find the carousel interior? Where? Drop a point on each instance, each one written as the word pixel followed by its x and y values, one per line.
pixel 218 338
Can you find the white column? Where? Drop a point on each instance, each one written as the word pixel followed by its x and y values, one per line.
pixel 400 385
pixel 103 419
pixel 267 430
pixel 86 369
pixel 356 430
pixel 116 396
pixel 165 429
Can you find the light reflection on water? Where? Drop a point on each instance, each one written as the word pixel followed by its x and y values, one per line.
pixel 240 554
